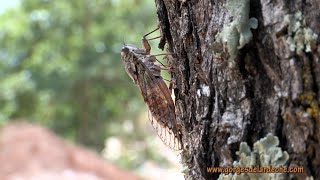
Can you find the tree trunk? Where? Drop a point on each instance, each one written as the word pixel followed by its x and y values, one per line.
pixel 231 87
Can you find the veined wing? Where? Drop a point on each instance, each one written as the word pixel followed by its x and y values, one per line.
pixel 161 107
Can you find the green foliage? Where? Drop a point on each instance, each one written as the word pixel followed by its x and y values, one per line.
pixel 60 65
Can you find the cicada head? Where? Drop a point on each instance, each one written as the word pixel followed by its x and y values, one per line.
pixel 128 53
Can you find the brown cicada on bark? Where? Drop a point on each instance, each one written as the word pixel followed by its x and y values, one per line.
pixel 141 68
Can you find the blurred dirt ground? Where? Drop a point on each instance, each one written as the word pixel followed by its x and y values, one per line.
pixel 31 152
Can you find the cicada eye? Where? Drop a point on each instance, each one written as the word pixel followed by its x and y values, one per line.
pixel 152 59
pixel 124 51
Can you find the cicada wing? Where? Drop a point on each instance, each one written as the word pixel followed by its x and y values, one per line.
pixel 167 136
pixel 161 108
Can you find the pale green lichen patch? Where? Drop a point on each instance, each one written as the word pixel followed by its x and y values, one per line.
pixel 265 153
pixel 237 33
pixel 301 38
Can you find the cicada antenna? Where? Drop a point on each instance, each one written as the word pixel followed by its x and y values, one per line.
pixel 124 43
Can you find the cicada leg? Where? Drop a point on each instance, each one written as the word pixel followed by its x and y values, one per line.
pixel 144 41
pixel 163 54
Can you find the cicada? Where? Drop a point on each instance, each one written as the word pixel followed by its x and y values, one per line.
pixel 141 68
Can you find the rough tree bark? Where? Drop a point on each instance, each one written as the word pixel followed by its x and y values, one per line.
pixel 225 96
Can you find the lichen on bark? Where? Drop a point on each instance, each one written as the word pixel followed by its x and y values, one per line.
pixel 265 153
pixel 237 33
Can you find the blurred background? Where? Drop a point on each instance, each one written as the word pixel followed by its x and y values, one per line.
pixel 60 67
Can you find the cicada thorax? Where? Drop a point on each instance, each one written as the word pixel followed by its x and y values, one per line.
pixel 153 68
